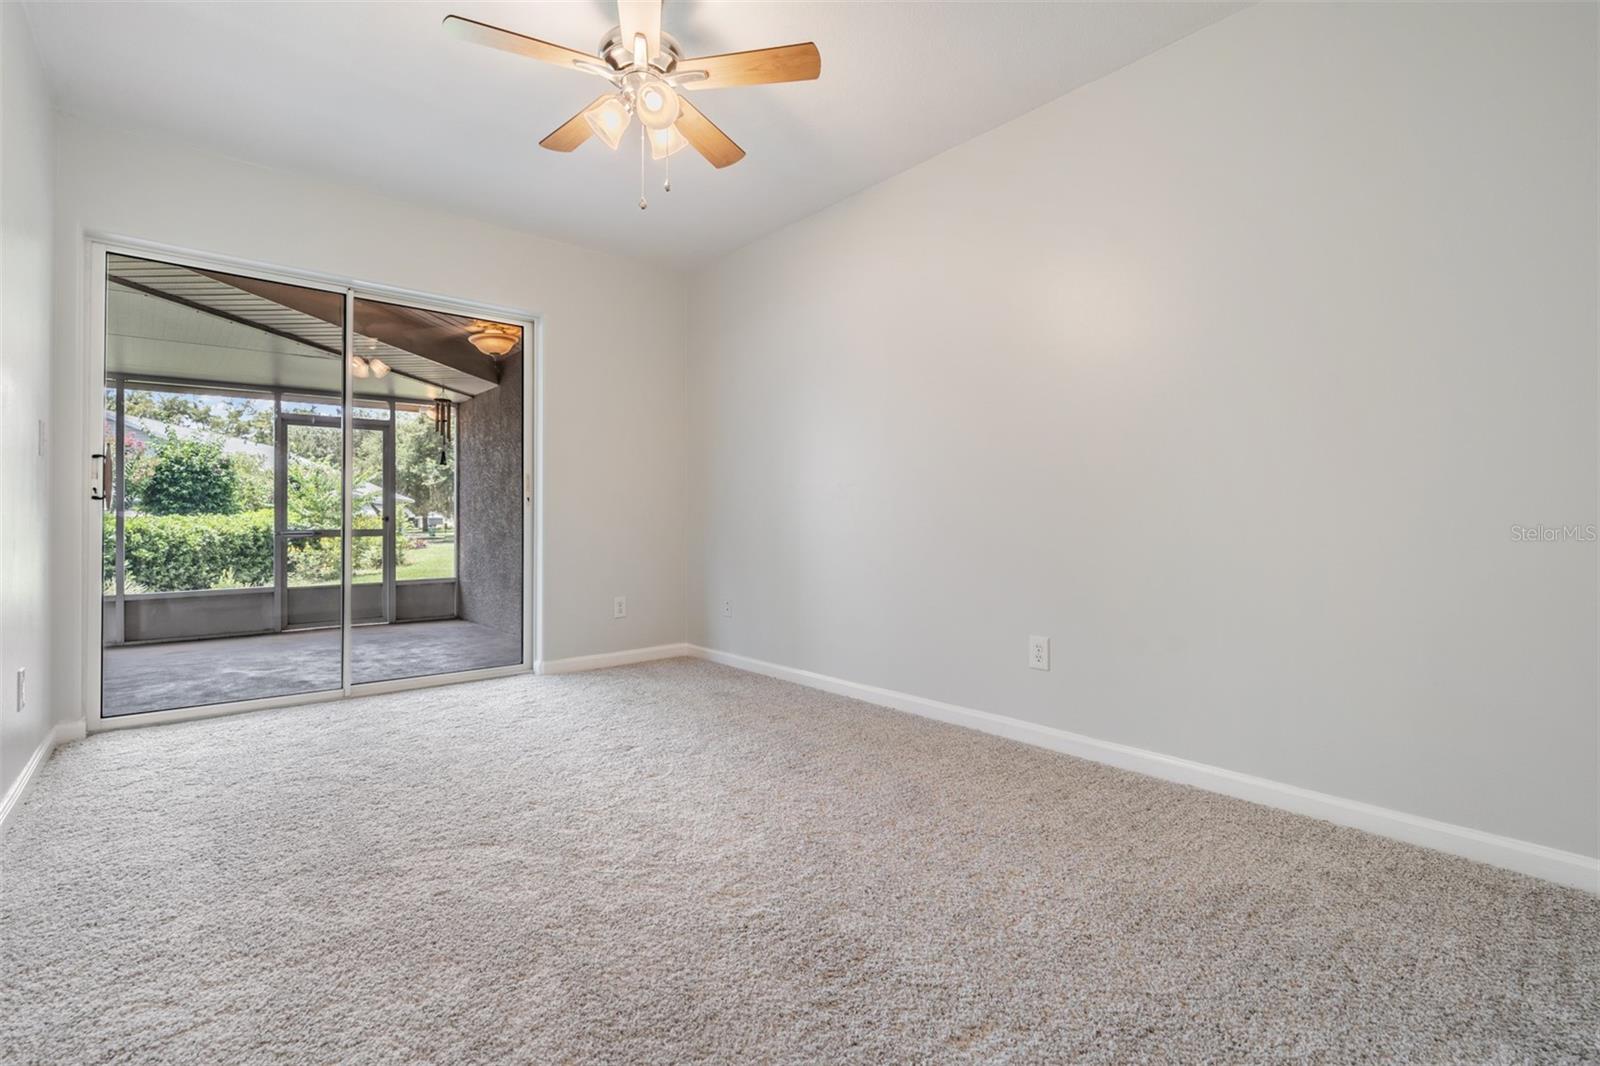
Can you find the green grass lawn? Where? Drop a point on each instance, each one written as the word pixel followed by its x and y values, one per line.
pixel 436 559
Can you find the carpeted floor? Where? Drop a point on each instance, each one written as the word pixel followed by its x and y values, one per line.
pixel 679 862
pixel 195 673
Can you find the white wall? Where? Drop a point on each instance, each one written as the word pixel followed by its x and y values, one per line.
pixel 25 354
pixel 613 433
pixel 1230 373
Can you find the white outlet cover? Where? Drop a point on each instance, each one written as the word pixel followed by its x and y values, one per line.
pixel 727 608
pixel 1039 653
pixel 619 607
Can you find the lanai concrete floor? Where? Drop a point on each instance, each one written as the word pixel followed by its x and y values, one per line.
pixel 195 673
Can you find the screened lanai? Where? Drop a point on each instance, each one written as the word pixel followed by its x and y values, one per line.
pixel 227 472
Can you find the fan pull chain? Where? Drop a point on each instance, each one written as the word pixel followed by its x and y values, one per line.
pixel 643 203
pixel 667 185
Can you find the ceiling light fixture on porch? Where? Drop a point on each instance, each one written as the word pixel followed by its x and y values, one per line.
pixel 494 338
pixel 369 367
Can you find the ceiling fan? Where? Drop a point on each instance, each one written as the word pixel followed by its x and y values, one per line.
pixel 647 73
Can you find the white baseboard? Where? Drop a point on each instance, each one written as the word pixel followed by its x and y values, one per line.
pixel 14 796
pixel 1537 860
pixel 612 658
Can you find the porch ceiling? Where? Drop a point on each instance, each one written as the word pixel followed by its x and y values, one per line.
pixel 171 322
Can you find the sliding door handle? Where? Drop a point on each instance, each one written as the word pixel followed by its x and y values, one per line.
pixel 99 476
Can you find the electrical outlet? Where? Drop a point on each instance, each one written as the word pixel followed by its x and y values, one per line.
pixel 619 607
pixel 22 688
pixel 1039 653
pixel 43 437
pixel 727 608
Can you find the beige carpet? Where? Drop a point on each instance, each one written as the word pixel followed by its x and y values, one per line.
pixel 679 862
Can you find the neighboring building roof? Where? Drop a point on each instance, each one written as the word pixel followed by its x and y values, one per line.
pixel 151 432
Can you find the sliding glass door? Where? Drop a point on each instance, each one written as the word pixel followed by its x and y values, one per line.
pixel 219 553
pixel 295 504
pixel 453 488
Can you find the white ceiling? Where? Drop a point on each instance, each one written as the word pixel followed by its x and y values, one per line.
pixel 379 95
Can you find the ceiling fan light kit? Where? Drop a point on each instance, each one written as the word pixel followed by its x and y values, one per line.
pixel 666 142
pixel 657 105
pixel 648 76
pixel 608 119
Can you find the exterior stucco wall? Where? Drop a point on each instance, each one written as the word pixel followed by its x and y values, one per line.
pixel 489 545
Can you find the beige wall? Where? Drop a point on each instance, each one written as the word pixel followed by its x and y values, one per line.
pixel 26 352
pixel 1232 374
pixel 614 457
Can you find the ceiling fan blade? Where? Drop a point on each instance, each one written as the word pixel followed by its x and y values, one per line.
pixel 790 62
pixel 716 146
pixel 641 16
pixel 572 132
pixel 506 41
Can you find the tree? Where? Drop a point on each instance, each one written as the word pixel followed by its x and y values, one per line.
pixel 418 472
pixel 255 482
pixel 191 477
pixel 249 420
pixel 172 408
pixel 137 463
pixel 315 496
pixel 239 418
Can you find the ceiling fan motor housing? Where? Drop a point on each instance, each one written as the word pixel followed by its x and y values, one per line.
pixel 618 54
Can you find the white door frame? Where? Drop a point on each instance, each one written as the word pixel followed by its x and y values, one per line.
pixel 98 246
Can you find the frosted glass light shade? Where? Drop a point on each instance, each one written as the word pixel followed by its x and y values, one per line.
pixel 609 121
pixel 494 338
pixel 666 142
pixel 657 105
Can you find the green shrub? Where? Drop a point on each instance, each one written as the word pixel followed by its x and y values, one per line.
pixel 181 553
pixel 254 482
pixel 177 552
pixel 190 477
pixel 315 496
pixel 316 561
